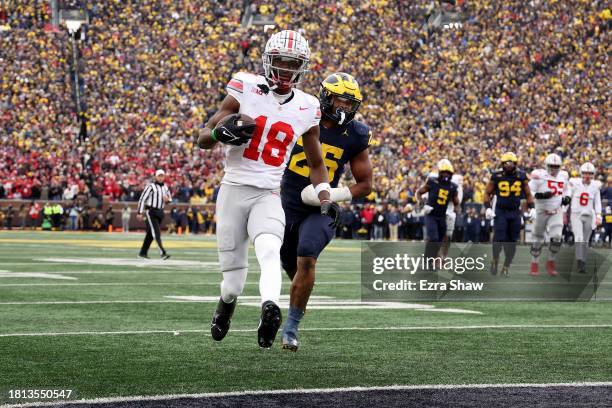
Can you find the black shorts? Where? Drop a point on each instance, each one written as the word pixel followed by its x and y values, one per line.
pixel 305 237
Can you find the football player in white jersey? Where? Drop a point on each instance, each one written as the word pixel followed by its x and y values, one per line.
pixel 550 189
pixel 451 215
pixel 249 204
pixel 585 210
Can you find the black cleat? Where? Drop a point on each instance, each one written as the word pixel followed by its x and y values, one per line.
pixel 165 256
pixel 143 256
pixel 221 319
pixel 269 323
pixel 581 267
pixel 505 271
pixel 493 268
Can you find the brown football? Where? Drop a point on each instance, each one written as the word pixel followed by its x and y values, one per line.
pixel 237 119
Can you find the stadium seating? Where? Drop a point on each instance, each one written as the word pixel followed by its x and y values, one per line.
pixel 525 76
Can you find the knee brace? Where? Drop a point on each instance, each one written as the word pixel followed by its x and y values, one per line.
pixel 555 245
pixel 536 249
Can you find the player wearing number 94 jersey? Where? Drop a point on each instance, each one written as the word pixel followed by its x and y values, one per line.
pixel 507 185
pixel 248 204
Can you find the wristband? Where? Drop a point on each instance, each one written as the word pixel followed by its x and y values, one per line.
pixel 322 187
pixel 212 134
pixel 341 194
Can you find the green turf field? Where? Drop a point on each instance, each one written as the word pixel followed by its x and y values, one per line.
pixel 103 323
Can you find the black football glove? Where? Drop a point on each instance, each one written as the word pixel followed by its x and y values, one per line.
pixel 543 196
pixel 332 210
pixel 230 132
pixel 566 200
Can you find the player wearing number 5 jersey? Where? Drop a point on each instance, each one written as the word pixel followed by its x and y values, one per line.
pixel 585 210
pixel 249 204
pixel 550 189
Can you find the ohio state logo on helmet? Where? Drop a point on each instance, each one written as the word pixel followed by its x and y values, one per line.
pixel 286 58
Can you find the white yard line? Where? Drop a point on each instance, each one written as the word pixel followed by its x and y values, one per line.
pixel 322 329
pixel 310 391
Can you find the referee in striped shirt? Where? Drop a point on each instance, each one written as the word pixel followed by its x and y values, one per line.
pixel 151 208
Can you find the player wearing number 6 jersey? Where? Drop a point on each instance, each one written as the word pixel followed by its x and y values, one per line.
pixel 585 210
pixel 249 204
pixel 550 189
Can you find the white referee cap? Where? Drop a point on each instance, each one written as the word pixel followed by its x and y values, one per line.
pixel 159 172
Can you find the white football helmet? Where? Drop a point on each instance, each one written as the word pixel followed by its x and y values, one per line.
pixel 285 59
pixel 553 164
pixel 587 168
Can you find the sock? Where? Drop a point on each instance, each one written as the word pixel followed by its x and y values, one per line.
pixel 293 320
pixel 267 249
pixel 233 284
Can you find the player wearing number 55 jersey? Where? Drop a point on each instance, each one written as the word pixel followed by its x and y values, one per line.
pixel 550 189
pixel 248 204
pixel 307 232
pixel 508 185
pixel 585 210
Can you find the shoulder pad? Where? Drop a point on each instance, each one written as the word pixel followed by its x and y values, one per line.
pixel 245 77
pixel 307 98
pixel 598 184
pixel 361 128
pixel 564 174
pixel 537 174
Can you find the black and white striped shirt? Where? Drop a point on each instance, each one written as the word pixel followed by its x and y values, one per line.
pixel 153 196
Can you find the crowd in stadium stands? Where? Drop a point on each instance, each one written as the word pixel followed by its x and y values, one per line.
pixel 528 76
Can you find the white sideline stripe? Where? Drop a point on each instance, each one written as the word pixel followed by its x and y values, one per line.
pixel 321 329
pixel 158 284
pixel 310 391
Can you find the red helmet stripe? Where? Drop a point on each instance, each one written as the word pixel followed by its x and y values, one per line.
pixel 290 45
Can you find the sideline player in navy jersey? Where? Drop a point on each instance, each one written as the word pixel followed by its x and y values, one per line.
pixel 307 232
pixel 508 185
pixel 440 191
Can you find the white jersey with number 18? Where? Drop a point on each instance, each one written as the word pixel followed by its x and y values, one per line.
pixel 261 162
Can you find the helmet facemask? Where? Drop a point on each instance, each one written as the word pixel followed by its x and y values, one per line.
pixel 509 167
pixel 284 71
pixel 340 109
pixel 553 170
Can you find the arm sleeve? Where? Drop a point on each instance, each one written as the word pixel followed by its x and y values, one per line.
pixel 597 201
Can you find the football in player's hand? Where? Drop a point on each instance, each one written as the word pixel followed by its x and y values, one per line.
pixel 235 129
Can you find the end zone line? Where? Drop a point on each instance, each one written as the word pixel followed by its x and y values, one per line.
pixel 307 391
pixel 320 329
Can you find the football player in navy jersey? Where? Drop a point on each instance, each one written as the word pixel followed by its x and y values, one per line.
pixel 508 185
pixel 307 232
pixel 440 192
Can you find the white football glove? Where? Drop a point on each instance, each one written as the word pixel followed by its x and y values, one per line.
pixel 427 209
pixel 338 194
pixel 530 215
pixel 489 214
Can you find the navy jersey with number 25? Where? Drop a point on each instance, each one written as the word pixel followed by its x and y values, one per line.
pixel 339 146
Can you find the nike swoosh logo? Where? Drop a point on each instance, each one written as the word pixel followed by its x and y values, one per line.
pixel 228 134
pixel 303 108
